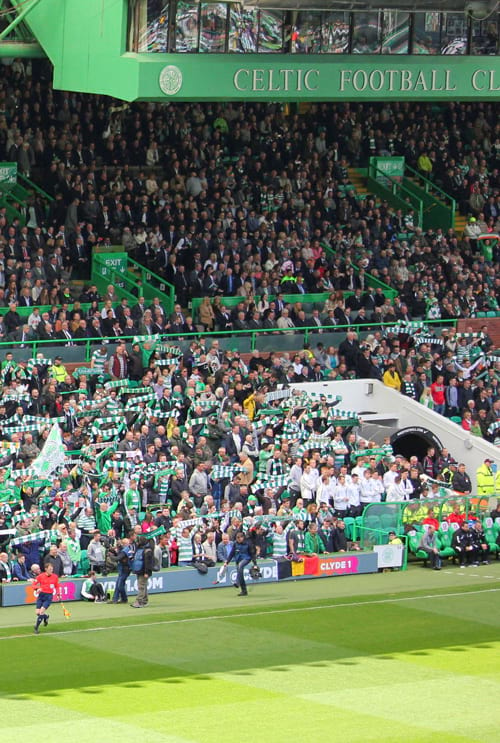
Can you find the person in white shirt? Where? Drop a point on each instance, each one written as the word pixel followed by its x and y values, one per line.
pixel 354 493
pixel 360 467
pixel 345 475
pixel 295 474
pixel 396 493
pixel 309 483
pixel 367 487
pixel 341 497
pixel 390 475
pixel 324 491
pixel 378 487
pixel 406 484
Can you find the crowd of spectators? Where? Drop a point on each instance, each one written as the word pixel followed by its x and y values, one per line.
pixel 226 198
pixel 245 200
pixel 216 444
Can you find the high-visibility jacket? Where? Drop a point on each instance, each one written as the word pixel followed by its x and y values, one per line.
pixel 485 480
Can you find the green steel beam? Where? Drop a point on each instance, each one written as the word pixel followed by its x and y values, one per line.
pixel 17 20
pixel 21 49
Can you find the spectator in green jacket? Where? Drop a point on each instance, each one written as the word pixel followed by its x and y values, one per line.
pixel 313 544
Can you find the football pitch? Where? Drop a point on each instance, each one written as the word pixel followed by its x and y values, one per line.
pixel 387 657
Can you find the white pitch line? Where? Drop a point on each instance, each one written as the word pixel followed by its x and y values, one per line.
pixel 240 615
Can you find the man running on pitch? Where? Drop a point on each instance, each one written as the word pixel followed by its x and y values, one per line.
pixel 46 586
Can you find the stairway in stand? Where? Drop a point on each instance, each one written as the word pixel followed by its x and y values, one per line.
pixel 460 222
pixel 358 181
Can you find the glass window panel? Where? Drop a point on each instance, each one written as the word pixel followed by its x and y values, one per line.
pixel 148 26
pixel 426 33
pixel 243 25
pixel 271 31
pixel 186 27
pixel 335 33
pixel 485 37
pixel 454 33
pixel 395 32
pixel 306 33
pixel 213 27
pixel 366 36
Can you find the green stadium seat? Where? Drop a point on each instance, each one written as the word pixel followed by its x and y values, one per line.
pixel 84 564
pixel 414 538
pixel 456 419
pixel 350 528
pixel 444 537
pixel 491 535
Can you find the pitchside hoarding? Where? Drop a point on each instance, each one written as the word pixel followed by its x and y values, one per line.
pixel 188 579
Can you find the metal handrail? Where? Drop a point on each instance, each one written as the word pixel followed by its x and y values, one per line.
pixel 301 333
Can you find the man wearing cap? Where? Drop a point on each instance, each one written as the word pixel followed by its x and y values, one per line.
pixel 485 478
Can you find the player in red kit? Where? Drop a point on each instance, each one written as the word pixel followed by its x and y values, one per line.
pixel 46 586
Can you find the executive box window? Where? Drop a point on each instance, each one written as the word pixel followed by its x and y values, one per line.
pixel 395 32
pixel 366 33
pixel 306 33
pixel 161 26
pixel 243 29
pixel 454 33
pixel 484 39
pixel 186 27
pixel 426 33
pixel 271 26
pixel 335 31
pixel 213 27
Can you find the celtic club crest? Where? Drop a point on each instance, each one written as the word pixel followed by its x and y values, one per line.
pixel 170 80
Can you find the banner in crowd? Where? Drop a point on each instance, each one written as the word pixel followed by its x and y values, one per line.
pixel 52 454
pixel 387 169
pixel 8 174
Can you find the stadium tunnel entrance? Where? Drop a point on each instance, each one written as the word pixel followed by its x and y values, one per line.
pixel 414 441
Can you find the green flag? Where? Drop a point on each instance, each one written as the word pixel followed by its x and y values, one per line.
pixel 52 454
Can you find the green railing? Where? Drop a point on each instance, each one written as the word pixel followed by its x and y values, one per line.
pixel 28 185
pixel 399 517
pixel 243 341
pixel 104 274
pixel 25 312
pixel 130 279
pixel 371 280
pixel 14 195
pixel 438 207
pixel 396 193
pixel 154 286
pixel 309 302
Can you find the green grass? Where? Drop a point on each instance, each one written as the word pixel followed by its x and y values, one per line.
pixel 369 658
